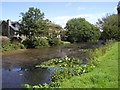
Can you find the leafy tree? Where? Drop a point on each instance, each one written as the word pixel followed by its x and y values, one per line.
pixel 79 30
pixel 109 25
pixel 64 35
pixel 33 24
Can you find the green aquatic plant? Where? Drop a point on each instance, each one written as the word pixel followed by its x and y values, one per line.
pixel 63 62
pixel 68 67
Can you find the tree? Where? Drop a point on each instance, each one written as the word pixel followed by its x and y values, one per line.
pixel 54 33
pixel 79 30
pixel 109 25
pixel 33 24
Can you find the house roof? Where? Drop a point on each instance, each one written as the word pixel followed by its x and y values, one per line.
pixel 12 24
pixel 14 28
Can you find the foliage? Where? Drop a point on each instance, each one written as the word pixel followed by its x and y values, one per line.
pixel 7 45
pixel 36 43
pixel 105 75
pixel 64 36
pixel 67 73
pixel 79 30
pixel 54 31
pixel 33 24
pixel 54 41
pixel 109 25
pixel 69 67
pixel 41 43
pixel 65 62
pixel 28 43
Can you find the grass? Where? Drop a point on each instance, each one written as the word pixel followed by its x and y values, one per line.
pixel 105 75
pixel 65 42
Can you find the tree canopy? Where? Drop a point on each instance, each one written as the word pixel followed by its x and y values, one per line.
pixel 80 30
pixel 109 25
pixel 33 23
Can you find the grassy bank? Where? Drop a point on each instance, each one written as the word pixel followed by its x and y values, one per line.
pixel 101 72
pixel 105 75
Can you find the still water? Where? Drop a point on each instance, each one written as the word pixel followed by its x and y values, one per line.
pixel 18 67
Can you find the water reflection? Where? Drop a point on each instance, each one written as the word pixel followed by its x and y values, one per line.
pixel 18 66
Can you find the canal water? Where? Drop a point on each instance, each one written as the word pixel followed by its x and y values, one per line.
pixel 18 67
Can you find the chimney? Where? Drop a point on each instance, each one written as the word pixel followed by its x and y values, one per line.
pixel 8 28
pixel 8 22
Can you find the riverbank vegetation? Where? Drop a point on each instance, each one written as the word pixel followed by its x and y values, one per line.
pixel 7 45
pixel 105 75
pixel 99 72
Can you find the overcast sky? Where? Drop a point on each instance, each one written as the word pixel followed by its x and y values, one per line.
pixel 60 12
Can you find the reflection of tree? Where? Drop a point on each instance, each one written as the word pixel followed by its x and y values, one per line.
pixel 30 57
pixel 36 76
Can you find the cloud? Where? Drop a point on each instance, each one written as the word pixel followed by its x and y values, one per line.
pixel 92 18
pixel 115 10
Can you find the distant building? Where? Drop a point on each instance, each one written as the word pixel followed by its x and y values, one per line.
pixel 54 29
pixel 8 28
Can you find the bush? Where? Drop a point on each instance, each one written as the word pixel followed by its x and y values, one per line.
pixel 36 43
pixel 41 43
pixel 54 41
pixel 28 43
pixel 8 46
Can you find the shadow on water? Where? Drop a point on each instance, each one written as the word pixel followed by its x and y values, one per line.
pixel 18 67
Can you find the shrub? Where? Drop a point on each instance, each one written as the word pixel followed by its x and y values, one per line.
pixel 38 43
pixel 54 41
pixel 28 43
pixel 8 45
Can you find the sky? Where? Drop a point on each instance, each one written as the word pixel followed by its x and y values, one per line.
pixel 60 12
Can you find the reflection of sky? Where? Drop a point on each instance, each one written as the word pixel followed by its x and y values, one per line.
pixel 14 78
